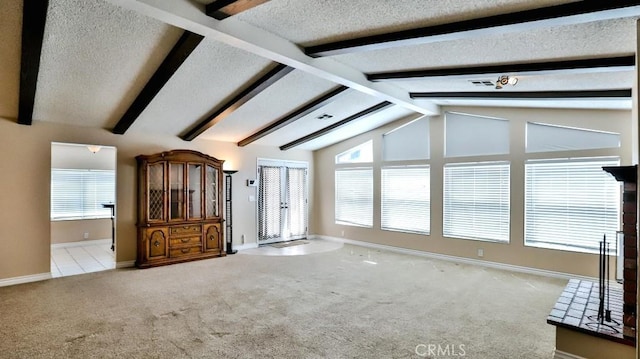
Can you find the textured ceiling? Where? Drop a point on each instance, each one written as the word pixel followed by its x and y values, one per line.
pixel 212 74
pixel 281 98
pixel 95 59
pixel 351 103
pixel 310 22
pixel 594 39
pixel 98 55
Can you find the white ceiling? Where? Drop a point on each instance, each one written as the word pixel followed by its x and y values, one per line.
pixel 97 55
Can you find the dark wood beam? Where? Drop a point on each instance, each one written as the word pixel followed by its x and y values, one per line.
pixel 178 54
pixel 34 17
pixel 605 64
pixel 295 115
pixel 524 95
pixel 334 126
pixel 222 9
pixel 571 13
pixel 250 91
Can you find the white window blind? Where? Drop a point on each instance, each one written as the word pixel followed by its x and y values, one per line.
pixel 354 196
pixel 406 199
pixel 547 138
pixel 571 204
pixel 409 142
pixel 469 135
pixel 79 194
pixel 476 201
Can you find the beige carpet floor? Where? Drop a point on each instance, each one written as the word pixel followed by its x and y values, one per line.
pixel 352 302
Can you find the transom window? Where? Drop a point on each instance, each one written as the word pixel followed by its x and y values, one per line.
pixel 360 154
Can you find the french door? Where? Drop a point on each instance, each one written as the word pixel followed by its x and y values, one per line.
pixel 282 200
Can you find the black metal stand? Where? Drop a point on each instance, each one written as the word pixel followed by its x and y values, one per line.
pixel 113 226
pixel 228 211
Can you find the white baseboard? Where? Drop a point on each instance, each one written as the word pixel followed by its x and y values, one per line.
pixel 25 279
pixel 246 246
pixel 559 354
pixel 92 242
pixel 496 265
pixel 126 264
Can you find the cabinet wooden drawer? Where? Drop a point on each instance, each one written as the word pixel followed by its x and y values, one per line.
pixel 185 230
pixel 185 241
pixel 185 251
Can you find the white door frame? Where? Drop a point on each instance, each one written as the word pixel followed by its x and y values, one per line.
pixel 280 163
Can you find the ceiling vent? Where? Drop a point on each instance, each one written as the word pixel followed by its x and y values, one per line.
pixel 324 116
pixel 482 83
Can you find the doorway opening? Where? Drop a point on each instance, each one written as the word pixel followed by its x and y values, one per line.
pixel 82 210
pixel 282 200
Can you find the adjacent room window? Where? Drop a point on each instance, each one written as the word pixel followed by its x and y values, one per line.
pixel 476 201
pixel 406 199
pixel 79 194
pixel 354 196
pixel 571 204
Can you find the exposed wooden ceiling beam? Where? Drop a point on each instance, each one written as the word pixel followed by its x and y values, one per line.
pixel 34 17
pixel 222 9
pixel 295 115
pixel 366 112
pixel 250 91
pixel 524 95
pixel 178 54
pixel 606 64
pixel 565 14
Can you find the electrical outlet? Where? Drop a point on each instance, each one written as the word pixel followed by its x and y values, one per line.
pixel 480 252
pixel 343 233
pixel 85 235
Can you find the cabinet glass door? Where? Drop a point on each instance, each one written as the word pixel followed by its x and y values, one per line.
pixel 195 191
pixel 211 192
pixel 155 196
pixel 176 195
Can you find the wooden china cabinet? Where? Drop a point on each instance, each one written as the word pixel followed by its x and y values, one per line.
pixel 179 208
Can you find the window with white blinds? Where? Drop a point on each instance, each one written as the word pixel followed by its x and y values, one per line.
pixel 79 194
pixel 406 199
pixel 476 201
pixel 571 204
pixel 354 196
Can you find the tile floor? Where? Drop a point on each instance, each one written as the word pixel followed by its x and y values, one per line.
pixel 83 257
pixel 309 246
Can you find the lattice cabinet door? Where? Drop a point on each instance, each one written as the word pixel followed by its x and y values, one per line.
pixel 156 192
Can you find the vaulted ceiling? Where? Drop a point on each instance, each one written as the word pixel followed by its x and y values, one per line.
pixel 304 73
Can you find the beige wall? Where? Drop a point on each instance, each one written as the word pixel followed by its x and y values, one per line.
pixel 514 253
pixel 73 231
pixel 25 228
